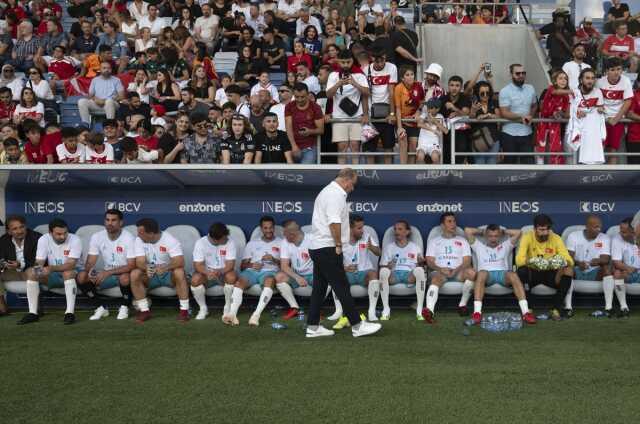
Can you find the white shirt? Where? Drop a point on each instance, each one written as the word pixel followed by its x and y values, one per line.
pixel 622 250
pixel 257 24
pixel 358 253
pixel 64 154
pixel 278 109
pixel 330 207
pixel 91 156
pixel 380 81
pixel 221 97
pixel 133 86
pixel 404 258
pixel 587 250
pixel 244 109
pixel 114 253
pixel 205 26
pixel 290 8
pixel 16 86
pixel 19 254
pixel 57 254
pixel 142 46
pixel 30 112
pixel 448 252
pixel 256 249
pixel 346 91
pixel 493 258
pixel 298 255
pixel 372 12
pixel 614 94
pixel 156 26
pixel 431 136
pixel 301 26
pixel 160 252
pixel 313 84
pixel 42 89
pixel 269 87
pixel 138 14
pixel 144 156
pixel 214 256
pixel 573 69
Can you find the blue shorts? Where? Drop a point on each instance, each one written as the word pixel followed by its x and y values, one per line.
pixel 211 283
pixel 497 277
pixel 110 282
pixel 160 280
pixel 633 278
pixel 401 277
pixel 448 280
pixel 591 275
pixel 357 278
pixel 254 277
pixel 56 281
pixel 308 277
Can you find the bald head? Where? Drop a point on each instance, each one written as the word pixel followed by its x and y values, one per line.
pixel 291 231
pixel 347 179
pixel 593 226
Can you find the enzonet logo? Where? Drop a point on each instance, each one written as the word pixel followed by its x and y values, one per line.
pixel 437 207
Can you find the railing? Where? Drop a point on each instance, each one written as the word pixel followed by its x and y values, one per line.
pixel 518 9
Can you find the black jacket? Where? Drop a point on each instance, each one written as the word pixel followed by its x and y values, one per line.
pixel 8 249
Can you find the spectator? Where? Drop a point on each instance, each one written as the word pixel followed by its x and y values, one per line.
pixel 484 136
pixel 37 149
pixel 141 85
pixel 305 76
pixel 618 12
pixel 128 25
pixel 454 105
pixel 172 144
pixel 382 77
pixel 299 55
pixel 247 69
pixel 133 109
pixel 9 80
pixel 60 67
pixel 350 94
pixel 138 9
pixel 200 147
pixel 618 93
pixel 104 93
pixel 69 151
pixel 331 58
pixel 232 31
pixel 157 113
pixel 145 138
pixel 285 94
pixel 190 105
pixel 6 46
pixel 432 127
pixel 405 44
pixel 621 45
pixel 186 19
pixel 633 130
pixel 311 42
pixel 518 104
pixel 257 111
pixel 206 26
pixel 575 67
pixel 167 92
pixel 132 154
pixel 304 20
pixel 559 40
pixel 238 147
pixel 152 21
pixel 408 96
pixel 11 155
pixel 272 145
pixel 40 86
pixel 273 51
pixel 554 104
pixel 97 151
pixel 345 9
pixel 110 127
pixel 53 38
pixel 144 41
pixel 29 108
pixel 332 37
pixel 7 106
pixel 370 16
pixel 458 16
pixel 87 43
pixel 234 96
pixel 304 123
pixel 247 39
pixel 26 47
pixel 221 95
pixel 256 21
pixel 116 40
pixel 588 36
pixel 265 84
pixel 431 84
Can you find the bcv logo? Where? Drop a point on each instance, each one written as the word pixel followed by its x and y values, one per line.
pixel 43 207
pixel 597 207
pixel 363 206
pixel 123 206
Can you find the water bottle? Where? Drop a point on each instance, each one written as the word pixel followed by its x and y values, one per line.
pixel 151 269
pixel 597 314
pixel 278 326
pixel 468 323
pixel 38 270
pixel 542 317
pixel 515 322
pixel 301 314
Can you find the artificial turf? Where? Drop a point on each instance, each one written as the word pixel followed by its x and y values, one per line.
pixel 583 370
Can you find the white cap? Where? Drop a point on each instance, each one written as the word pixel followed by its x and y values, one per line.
pixel 434 69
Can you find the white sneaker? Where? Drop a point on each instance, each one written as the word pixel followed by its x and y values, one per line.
pixel 99 313
pixel 335 316
pixel 365 328
pixel 202 314
pixel 254 320
pixel 123 312
pixel 372 316
pixel 320 332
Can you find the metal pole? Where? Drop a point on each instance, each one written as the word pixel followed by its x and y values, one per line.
pixel 453 145
pixel 318 148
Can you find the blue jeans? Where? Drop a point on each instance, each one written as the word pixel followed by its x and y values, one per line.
pixel 308 156
pixel 488 160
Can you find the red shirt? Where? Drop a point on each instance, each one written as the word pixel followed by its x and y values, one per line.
pixel 150 143
pixel 63 68
pixel 617 47
pixel 38 154
pixel 42 28
pixel 6 111
pixel 292 62
pixel 633 130
pixel 303 119
pixel 453 19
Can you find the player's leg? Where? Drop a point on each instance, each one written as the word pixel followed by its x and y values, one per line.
pixel 468 275
pixel 385 275
pixel 199 289
pixel 608 285
pixel 512 279
pixel 564 276
pixel 230 280
pixel 370 278
pixel 139 284
pixel 124 281
pixel 70 289
pixel 418 278
pixel 437 280
pixel 88 288
pixel 179 281
pixel 265 297
pixel 285 286
pixel 482 277
pixel 33 294
pixel 248 278
pixel 619 279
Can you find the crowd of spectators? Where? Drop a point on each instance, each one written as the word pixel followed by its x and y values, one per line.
pixel 149 91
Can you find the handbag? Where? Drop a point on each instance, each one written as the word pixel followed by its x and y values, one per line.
pixel 378 110
pixel 348 106
pixel 482 140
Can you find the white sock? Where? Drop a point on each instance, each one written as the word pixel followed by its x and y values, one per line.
pixel 337 303
pixel 287 293
pixel 184 304
pixel 421 287
pixel 477 306
pixel 568 300
pixel 228 289
pixel 524 306
pixel 143 304
pixel 70 289
pixel 467 288
pixel 607 287
pixel 621 294
pixel 265 297
pixel 199 294
pixel 33 291
pixel 432 297
pixel 236 301
pixel 374 293
pixel 384 295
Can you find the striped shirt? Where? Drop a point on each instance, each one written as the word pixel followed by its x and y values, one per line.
pixel 25 48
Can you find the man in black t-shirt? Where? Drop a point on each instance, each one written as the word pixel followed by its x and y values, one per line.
pixel 618 12
pixel 272 146
pixel 559 40
pixel 273 51
pixel 456 104
pixel 405 44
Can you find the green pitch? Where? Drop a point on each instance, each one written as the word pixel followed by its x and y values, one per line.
pixel 583 370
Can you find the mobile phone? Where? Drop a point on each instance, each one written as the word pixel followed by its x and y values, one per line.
pixel 487 68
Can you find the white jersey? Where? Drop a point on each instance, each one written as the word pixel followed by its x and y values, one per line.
pixel 256 249
pixel 380 80
pixel 628 253
pixel 160 252
pixel 65 155
pixel 57 254
pixel 114 253
pixel 448 252
pixel 586 250
pixel 493 258
pixel 614 94
pixel 573 69
pixel 405 258
pixel 214 256
pixel 358 253
pixel 298 255
pixel 91 156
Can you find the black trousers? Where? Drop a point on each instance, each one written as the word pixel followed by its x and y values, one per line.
pixel 633 148
pixel 463 145
pixel 532 278
pixel 517 144
pixel 328 269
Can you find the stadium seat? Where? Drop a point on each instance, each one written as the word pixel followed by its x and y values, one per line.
pixel 187 235
pixel 16 287
pixel 416 237
pixel 42 229
pixel 539 290
pixel 496 289
pixel 257 232
pixel 85 233
pixel 237 236
pixel 450 287
pixel 632 289
pixel 581 286
pixel 132 229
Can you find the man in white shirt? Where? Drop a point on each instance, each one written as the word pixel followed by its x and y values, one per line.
pixel 625 254
pixel 159 263
pixel 591 252
pixel 138 10
pixel 115 247
pixel 304 20
pixel 329 232
pixel 289 10
pixel 351 92
pixel 206 26
pixel 401 263
pixel 152 21
pixel 449 258
pixel 214 262
pixel 256 21
pixel 577 65
pixel 494 265
pixel 57 256
pixel 285 95
pixel 260 264
pixel 304 75
pixel 296 270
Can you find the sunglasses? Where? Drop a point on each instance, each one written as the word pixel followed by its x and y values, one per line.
pixel 34 73
pixel 201 125
pixel 521 73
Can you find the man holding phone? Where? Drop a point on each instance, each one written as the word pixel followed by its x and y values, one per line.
pixel 304 122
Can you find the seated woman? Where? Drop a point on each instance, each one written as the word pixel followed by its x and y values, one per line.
pixel 247 69
pixel 167 92
pixel 202 85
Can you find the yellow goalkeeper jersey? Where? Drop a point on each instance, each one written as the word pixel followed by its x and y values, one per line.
pixel 530 247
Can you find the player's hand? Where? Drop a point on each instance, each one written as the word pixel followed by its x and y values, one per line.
pixel 527 119
pixel 581 113
pixel 338 250
pixel 257 266
pixel 583 265
pixel 45 271
pixel 161 269
pixel 12 264
pixel 369 244
pixel 301 281
pixel 351 268
pixel 102 275
pixel 268 258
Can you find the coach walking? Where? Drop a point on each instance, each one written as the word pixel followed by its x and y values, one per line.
pixel 329 230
